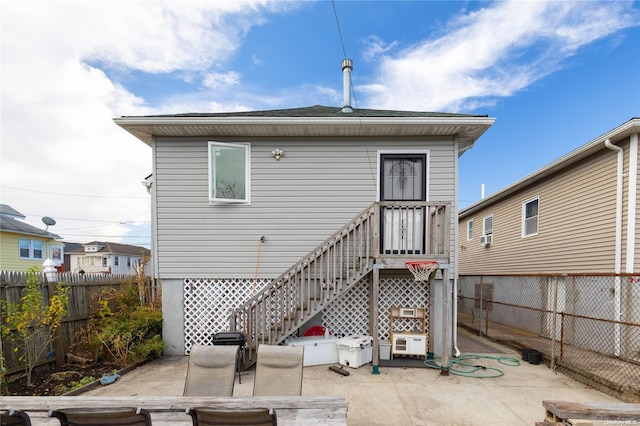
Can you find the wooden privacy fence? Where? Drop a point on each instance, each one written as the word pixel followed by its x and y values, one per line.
pixel 84 291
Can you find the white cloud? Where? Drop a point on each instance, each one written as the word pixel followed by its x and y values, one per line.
pixel 376 47
pixel 255 60
pixel 221 80
pixel 488 53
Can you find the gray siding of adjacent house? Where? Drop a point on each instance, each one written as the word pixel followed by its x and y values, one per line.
pixel 576 228
pixel 296 203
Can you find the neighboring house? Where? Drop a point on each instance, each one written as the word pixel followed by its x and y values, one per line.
pixel 23 246
pixel 269 221
pixel 99 257
pixel 69 247
pixel 577 214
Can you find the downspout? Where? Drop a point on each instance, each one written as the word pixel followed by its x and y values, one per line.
pixel 618 244
pixel 633 308
pixel 154 214
pixel 632 203
pixel 454 307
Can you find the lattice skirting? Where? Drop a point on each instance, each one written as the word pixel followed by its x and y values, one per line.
pixel 350 315
pixel 209 302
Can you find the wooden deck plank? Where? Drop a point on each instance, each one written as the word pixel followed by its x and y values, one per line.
pixel 620 411
pixel 303 410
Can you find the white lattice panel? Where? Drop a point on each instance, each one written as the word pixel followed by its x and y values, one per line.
pixel 349 316
pixel 208 304
pixel 401 291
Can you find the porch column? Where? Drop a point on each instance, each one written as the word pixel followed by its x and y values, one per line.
pixel 375 292
pixel 446 322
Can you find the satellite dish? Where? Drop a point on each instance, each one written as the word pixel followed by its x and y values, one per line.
pixel 48 221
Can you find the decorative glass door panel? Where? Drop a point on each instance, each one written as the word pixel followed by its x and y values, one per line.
pixel 403 180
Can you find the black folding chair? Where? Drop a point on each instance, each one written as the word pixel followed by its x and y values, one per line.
pixel 102 417
pixel 233 417
pixel 14 418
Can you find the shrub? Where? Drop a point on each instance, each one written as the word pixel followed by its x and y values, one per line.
pixel 123 329
pixel 32 322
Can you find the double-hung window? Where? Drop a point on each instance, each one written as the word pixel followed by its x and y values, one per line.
pixel 229 173
pixel 470 230
pixel 31 249
pixel 487 225
pixel 530 217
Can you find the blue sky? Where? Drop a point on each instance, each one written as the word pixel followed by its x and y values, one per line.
pixel 555 75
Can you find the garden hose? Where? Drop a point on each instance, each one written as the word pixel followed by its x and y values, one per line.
pixel 463 366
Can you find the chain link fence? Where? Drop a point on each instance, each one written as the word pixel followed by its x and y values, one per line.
pixel 586 325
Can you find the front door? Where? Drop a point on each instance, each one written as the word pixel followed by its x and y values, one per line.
pixel 403 180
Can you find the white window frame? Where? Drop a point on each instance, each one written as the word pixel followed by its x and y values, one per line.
pixel 31 249
pixel 486 231
pixel 470 230
pixel 247 174
pixel 524 217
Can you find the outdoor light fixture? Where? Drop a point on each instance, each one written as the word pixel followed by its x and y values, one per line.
pixel 277 153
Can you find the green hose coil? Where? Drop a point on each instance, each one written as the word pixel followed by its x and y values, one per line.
pixel 462 366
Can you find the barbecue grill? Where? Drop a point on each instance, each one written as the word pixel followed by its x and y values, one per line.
pixel 232 338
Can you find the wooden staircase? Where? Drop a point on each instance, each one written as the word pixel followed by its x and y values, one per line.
pixel 331 269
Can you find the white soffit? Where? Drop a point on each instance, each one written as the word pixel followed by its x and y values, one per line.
pixel 468 129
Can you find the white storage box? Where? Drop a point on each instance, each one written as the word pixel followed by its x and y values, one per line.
pixel 318 350
pixel 355 350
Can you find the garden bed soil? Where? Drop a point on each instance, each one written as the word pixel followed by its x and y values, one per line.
pixel 69 379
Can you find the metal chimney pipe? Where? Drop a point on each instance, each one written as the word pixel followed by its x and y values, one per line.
pixel 347 67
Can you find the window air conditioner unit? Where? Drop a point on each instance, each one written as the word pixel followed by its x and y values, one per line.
pixel 486 240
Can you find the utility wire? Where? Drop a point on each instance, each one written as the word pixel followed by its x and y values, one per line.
pixel 344 51
pixel 75 195
pixel 335 12
pixel 353 92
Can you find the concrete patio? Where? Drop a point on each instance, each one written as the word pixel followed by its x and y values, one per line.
pixel 400 395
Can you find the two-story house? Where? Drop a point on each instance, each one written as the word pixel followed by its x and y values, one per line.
pixel 98 257
pixel 268 221
pixel 553 260
pixel 577 214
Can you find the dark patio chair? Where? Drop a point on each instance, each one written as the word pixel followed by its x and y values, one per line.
pixel 102 417
pixel 233 417
pixel 14 418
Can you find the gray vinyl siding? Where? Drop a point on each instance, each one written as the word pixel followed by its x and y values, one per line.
pixel 576 228
pixel 296 203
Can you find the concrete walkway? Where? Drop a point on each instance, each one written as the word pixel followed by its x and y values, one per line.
pixel 403 396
